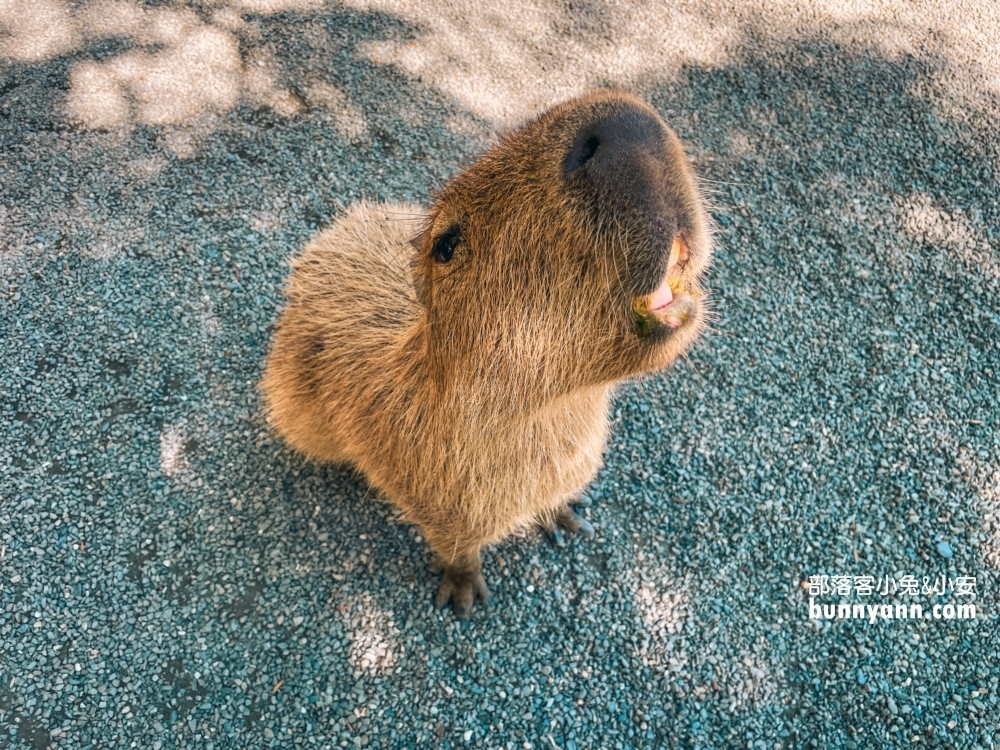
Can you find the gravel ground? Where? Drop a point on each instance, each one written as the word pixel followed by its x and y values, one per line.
pixel 172 577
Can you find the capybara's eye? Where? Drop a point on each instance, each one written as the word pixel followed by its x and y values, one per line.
pixel 444 246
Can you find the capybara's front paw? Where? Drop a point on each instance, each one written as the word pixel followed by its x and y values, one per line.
pixel 569 520
pixel 461 585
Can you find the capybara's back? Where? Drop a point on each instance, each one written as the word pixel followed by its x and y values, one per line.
pixel 342 336
pixel 463 358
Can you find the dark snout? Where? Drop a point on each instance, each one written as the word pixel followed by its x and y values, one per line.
pixel 628 169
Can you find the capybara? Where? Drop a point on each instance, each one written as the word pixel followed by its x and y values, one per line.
pixel 462 357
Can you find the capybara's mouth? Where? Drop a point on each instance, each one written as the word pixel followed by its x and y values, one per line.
pixel 678 312
pixel 673 303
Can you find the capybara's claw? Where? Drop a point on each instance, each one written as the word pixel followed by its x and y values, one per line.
pixel 569 520
pixel 556 536
pixel 586 528
pixel 462 587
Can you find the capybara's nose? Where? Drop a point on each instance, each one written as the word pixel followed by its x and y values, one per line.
pixel 624 165
pixel 611 144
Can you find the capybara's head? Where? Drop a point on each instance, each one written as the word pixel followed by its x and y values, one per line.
pixel 569 254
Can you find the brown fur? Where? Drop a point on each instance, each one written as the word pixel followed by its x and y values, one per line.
pixel 474 393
